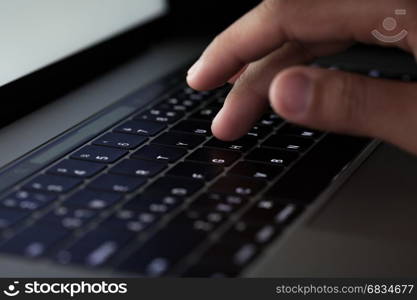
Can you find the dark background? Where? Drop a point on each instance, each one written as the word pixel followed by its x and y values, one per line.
pixel 186 18
pixel 206 17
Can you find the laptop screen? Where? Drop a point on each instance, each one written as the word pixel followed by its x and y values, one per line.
pixel 29 41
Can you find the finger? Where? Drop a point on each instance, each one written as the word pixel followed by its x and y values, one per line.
pixel 274 22
pixel 248 98
pixel 235 77
pixel 308 49
pixel 348 103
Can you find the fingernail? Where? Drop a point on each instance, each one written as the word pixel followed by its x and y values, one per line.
pixel 296 94
pixel 193 68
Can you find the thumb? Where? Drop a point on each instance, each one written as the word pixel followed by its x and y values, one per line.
pixel 348 103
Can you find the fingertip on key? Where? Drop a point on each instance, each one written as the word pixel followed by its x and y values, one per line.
pixel 192 74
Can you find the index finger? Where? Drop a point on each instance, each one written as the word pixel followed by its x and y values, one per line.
pixel 274 22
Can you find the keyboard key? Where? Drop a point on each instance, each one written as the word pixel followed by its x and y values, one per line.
pixel 164 249
pixel 205 114
pixel 95 248
pixel 204 219
pixel 156 203
pixel 53 184
pixel 116 183
pixel 224 259
pixel 137 167
pixel 175 139
pixel 407 77
pixel 256 170
pixel 120 140
pixel 177 104
pixel 138 127
pixel 310 176
pixel 269 212
pixel 130 220
pixel 35 241
pixel 194 127
pixel 270 119
pixel 189 91
pixel 9 217
pixel 211 210
pixel 210 199
pixel 76 168
pixel 259 131
pixel 241 145
pixel 198 96
pixel 70 218
pixel 234 185
pixel 290 129
pixel 216 157
pixel 175 186
pixel 272 156
pixel 214 208
pixel 195 171
pixel 165 113
pixel 27 200
pixel 99 154
pixel 217 103
pixel 225 89
pixel 291 143
pixel 160 153
pixel 163 116
pixel 141 212
pixel 92 199
pixel 181 101
pixel 194 95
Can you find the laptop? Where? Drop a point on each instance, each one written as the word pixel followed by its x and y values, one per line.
pixel 108 167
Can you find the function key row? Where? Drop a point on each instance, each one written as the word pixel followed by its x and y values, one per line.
pixel 140 127
pixel 120 140
pixel 99 154
pixel 162 116
pixel 174 104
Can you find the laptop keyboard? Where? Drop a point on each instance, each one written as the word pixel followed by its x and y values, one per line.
pixel 158 195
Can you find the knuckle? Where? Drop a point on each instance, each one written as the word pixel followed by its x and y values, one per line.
pixel 280 13
pixel 274 5
pixel 352 99
pixel 342 100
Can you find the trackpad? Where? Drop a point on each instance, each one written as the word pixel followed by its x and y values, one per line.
pixel 368 228
pixel 378 202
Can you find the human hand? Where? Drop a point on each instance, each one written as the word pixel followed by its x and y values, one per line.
pixel 260 53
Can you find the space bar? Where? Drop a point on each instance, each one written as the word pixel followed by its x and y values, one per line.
pixel 313 173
